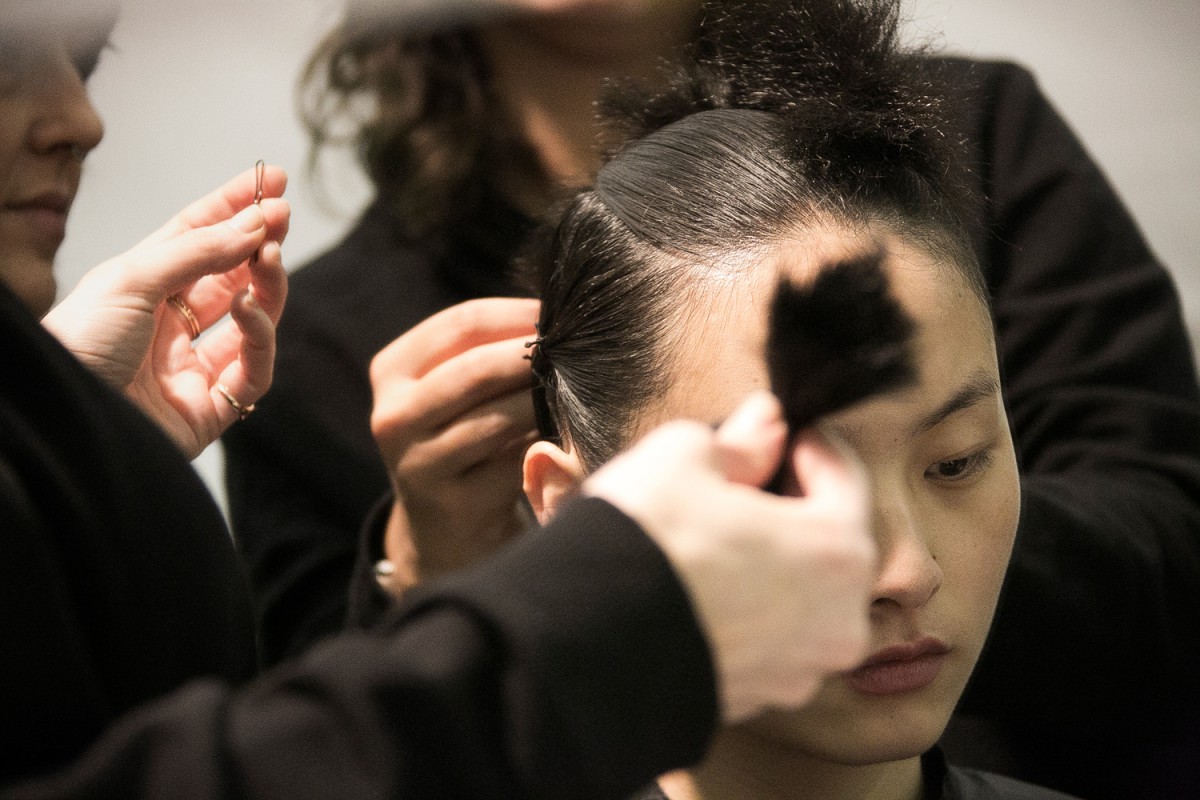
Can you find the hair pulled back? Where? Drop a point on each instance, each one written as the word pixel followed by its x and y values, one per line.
pixel 785 114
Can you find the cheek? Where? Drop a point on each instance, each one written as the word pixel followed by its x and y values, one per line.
pixel 8 161
pixel 978 544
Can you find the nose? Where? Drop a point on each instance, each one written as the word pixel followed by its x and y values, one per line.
pixel 67 120
pixel 909 574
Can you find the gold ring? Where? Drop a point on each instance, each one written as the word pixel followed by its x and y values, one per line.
pixel 189 315
pixel 242 411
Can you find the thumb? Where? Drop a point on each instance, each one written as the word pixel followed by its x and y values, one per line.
pixel 829 470
pixel 750 442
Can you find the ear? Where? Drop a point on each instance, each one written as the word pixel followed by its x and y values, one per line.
pixel 551 476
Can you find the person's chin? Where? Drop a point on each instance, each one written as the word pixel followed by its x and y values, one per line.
pixel 846 726
pixel 32 281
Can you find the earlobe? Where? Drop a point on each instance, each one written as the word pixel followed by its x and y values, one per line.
pixel 551 475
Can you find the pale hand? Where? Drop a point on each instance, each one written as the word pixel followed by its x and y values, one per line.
pixel 220 255
pixel 781 585
pixel 452 417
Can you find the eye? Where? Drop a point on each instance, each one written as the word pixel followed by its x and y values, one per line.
pixel 86 55
pixel 956 470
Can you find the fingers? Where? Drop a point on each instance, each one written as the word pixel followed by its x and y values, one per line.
pixel 224 202
pixel 407 410
pixel 197 254
pixel 268 280
pixel 454 331
pixel 242 354
pixel 499 428
pixel 828 471
pixel 751 440
pixel 207 267
pixel 192 263
pixel 781 585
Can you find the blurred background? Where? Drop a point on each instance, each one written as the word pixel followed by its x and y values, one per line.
pixel 194 91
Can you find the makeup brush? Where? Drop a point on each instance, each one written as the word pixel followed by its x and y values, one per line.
pixel 835 341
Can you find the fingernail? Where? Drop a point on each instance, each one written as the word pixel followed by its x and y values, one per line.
pixel 248 220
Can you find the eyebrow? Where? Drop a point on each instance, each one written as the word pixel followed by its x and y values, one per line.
pixel 980 386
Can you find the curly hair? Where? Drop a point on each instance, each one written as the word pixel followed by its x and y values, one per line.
pixel 417 105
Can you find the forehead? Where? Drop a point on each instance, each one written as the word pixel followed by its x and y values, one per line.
pixel 720 341
pixel 51 14
pixel 79 22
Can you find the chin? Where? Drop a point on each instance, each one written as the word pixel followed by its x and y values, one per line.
pixel 856 733
pixel 36 289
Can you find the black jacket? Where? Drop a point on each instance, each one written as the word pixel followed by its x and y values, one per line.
pixel 570 665
pixel 1088 681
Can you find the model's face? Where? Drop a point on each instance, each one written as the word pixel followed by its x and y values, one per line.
pixel 47 125
pixel 945 488
pixel 944 482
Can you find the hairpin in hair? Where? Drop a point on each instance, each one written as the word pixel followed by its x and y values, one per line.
pixel 543 417
pixel 534 347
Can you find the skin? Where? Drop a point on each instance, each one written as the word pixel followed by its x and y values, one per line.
pixel 49 126
pixel 946 500
pixel 581 43
pixel 220 255
pixel 693 489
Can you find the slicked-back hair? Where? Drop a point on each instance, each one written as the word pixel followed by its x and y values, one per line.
pixel 787 115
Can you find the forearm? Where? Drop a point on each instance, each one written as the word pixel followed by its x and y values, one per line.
pixel 570 665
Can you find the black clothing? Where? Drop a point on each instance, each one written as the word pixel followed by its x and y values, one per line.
pixel 305 465
pixel 944 782
pixel 118 581
pixel 1088 683
pixel 568 666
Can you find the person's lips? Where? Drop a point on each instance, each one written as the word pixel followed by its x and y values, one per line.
pixel 44 214
pixel 904 667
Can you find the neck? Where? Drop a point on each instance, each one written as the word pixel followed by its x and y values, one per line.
pixel 743 766
pixel 550 69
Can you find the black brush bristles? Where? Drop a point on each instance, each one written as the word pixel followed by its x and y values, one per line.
pixel 836 341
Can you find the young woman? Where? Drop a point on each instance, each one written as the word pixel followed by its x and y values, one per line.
pixel 798 142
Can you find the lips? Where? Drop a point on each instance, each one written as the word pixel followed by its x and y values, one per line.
pixel 896 669
pixel 45 215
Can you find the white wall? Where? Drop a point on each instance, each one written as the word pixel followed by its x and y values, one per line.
pixel 197 90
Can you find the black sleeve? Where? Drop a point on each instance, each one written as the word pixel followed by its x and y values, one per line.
pixel 303 471
pixel 570 665
pixel 1097 636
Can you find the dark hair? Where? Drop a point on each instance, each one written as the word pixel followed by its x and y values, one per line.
pixel 417 104
pixel 788 114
